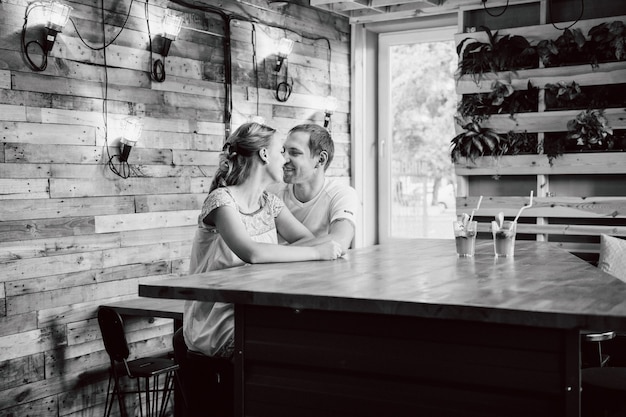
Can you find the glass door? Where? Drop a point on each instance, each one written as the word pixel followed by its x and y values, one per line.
pixel 417 103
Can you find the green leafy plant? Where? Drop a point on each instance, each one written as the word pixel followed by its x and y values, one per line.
pixel 562 95
pixel 499 91
pixel 507 53
pixel 475 106
pixel 589 128
pixel 567 49
pixel 521 101
pixel 475 141
pixel 519 143
pixel 607 42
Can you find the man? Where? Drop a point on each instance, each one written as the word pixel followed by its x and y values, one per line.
pixel 324 206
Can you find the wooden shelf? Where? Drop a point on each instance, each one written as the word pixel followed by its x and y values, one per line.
pixel 583 75
pixel 573 163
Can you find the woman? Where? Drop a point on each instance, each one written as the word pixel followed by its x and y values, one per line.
pixel 238 224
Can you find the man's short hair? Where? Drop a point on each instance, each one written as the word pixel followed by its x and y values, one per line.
pixel 319 140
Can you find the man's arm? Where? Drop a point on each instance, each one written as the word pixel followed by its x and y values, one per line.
pixel 342 232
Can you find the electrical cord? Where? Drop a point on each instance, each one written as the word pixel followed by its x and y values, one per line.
pixel 495 15
pixel 254 67
pixel 582 11
pixel 26 46
pixel 158 67
pixel 283 91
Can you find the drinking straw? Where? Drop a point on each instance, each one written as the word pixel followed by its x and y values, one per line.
pixel 525 207
pixel 477 207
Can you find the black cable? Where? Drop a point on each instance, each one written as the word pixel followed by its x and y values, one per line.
pixel 104 44
pixel 124 170
pixel 157 73
pixel 254 67
pixel 582 11
pixel 283 91
pixel 25 46
pixel 495 15
pixel 228 75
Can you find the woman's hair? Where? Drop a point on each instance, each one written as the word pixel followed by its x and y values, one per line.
pixel 239 152
pixel 319 140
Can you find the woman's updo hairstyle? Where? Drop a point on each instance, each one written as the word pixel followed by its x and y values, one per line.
pixel 239 153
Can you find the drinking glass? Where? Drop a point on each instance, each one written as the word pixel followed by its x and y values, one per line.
pixel 504 239
pixel 465 237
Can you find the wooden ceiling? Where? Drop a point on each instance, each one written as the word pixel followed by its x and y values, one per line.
pixel 366 11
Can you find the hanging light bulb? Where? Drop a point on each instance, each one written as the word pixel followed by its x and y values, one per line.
pixel 331 106
pixel 131 128
pixel 57 15
pixel 171 28
pixel 284 49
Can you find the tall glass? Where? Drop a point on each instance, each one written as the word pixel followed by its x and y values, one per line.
pixel 465 237
pixel 504 238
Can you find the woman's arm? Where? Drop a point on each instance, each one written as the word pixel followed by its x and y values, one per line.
pixel 290 228
pixel 227 221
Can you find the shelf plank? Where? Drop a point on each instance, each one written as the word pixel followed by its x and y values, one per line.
pixel 574 163
pixel 561 207
pixel 550 121
pixel 584 75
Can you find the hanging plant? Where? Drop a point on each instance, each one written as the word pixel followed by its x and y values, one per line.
pixel 590 129
pixel 475 141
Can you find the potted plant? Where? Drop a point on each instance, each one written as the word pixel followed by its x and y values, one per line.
pixel 590 128
pixel 475 141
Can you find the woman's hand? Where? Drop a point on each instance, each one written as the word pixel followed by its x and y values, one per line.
pixel 329 251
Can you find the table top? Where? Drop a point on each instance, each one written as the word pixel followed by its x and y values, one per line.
pixel 541 286
pixel 149 307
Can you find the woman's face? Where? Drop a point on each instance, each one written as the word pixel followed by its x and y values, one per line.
pixel 276 159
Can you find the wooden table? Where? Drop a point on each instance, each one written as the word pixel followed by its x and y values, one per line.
pixel 408 329
pixel 150 307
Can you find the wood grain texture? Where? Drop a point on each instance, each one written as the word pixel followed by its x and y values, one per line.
pixel 55 127
pixel 541 286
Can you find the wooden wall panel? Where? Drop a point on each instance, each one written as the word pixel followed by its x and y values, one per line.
pixel 73 235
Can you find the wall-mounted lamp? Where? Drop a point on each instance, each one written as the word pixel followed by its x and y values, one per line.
pixel 171 26
pixel 131 128
pixel 284 49
pixel 171 29
pixel 331 106
pixel 56 14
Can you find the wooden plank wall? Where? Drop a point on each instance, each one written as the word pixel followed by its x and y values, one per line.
pixel 72 234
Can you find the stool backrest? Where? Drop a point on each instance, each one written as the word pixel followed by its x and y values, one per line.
pixel 113 335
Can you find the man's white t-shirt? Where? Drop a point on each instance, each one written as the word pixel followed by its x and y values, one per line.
pixel 335 201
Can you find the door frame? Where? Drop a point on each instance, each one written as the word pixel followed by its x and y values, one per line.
pixel 385 117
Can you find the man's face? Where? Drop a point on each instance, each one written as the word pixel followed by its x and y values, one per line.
pixel 300 165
